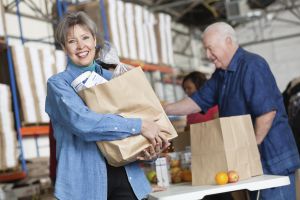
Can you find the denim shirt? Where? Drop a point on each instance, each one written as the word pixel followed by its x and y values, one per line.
pixel 81 169
pixel 249 87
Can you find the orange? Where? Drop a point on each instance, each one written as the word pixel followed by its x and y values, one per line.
pixel 221 178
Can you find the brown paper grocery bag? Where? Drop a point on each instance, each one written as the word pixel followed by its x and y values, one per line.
pixel 224 144
pixel 129 95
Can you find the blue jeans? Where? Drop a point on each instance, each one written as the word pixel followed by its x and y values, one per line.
pixel 279 193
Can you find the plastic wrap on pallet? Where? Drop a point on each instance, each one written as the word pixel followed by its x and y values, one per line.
pixel 29 147
pixel 179 92
pixel 153 41
pixel 24 83
pixel 159 90
pixel 112 18
pixel 136 32
pixel 1 20
pixel 60 60
pixel 43 146
pixel 39 83
pixel 34 147
pixel 8 143
pixel 47 62
pixel 162 33
pixel 164 37
pixel 140 35
pixel 122 29
pixel 32 69
pixel 145 28
pixel 131 31
pixel 169 92
pixel 169 40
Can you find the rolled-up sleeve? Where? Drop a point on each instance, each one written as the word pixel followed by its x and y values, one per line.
pixel 65 107
pixel 260 88
pixel 205 97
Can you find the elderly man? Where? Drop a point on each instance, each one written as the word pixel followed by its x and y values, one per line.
pixel 244 84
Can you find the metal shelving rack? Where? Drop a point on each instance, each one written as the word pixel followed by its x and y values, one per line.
pixel 22 131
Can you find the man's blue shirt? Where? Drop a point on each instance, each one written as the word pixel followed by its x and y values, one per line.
pixel 249 87
pixel 81 169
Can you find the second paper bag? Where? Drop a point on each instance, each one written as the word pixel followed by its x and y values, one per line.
pixel 224 144
pixel 128 95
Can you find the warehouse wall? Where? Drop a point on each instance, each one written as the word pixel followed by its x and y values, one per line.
pixel 189 54
pixel 282 55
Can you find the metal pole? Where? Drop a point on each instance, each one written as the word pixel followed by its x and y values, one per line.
pixel 59 9
pixel 104 20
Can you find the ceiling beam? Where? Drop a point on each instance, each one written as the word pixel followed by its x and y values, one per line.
pixel 189 8
pixel 270 39
pixel 172 4
pixel 144 2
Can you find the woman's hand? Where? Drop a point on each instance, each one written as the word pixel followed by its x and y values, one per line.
pixel 151 153
pixel 148 154
pixel 154 134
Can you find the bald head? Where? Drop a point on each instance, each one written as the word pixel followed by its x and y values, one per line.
pixel 220 42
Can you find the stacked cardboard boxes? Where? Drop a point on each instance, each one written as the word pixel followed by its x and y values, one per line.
pixel 32 69
pixel 137 33
pixel 8 145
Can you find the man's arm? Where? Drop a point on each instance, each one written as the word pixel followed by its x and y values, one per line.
pixel 263 124
pixel 183 107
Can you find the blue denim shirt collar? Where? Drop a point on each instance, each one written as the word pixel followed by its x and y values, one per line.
pixel 235 59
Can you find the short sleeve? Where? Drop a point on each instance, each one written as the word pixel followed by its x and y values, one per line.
pixel 260 88
pixel 206 96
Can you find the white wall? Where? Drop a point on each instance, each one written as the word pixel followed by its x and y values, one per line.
pixel 282 55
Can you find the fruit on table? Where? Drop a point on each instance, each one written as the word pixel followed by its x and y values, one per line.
pixel 174 163
pixel 186 175
pixel 232 176
pixel 151 176
pixel 176 175
pixel 221 178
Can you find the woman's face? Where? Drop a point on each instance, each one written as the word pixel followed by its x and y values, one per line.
pixel 189 87
pixel 80 45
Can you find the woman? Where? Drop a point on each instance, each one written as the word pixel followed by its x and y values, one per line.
pixel 82 171
pixel 190 84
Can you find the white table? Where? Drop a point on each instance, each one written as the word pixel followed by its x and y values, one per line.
pixel 188 192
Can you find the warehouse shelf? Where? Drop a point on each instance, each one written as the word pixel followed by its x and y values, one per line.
pixel 35 130
pixel 12 176
pixel 148 67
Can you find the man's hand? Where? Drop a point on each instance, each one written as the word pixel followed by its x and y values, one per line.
pixel 183 107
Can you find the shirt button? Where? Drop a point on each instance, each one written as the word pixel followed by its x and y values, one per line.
pixel 133 129
pixel 116 128
pixel 130 178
